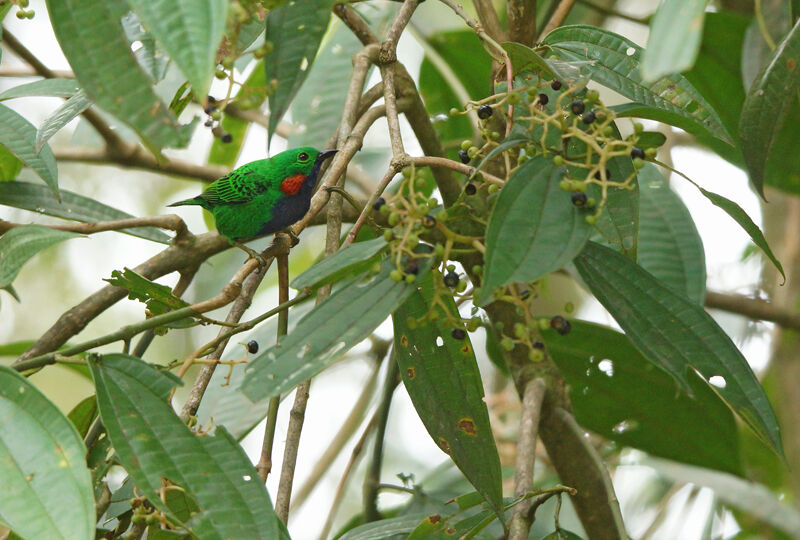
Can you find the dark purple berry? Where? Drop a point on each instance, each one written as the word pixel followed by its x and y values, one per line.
pixel 579 199
pixel 524 294
pixel 485 111
pixel 380 201
pixel 451 280
pixel 252 346
pixel 637 152
pixel 209 109
pixel 599 177
pixel 428 221
pixel 543 99
pixel 577 106
pixel 470 189
pixel 458 333
pixel 209 123
pixel 226 138
pixel 463 156
pixel 211 99
pixel 411 267
pixel 538 345
pixel 589 117
pixel 560 325
pixel 555 85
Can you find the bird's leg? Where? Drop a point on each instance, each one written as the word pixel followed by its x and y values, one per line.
pixel 294 238
pixel 349 198
pixel 253 254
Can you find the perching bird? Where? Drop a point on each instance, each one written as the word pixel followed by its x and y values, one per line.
pixel 264 196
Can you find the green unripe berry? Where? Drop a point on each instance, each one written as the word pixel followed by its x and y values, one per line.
pixel 565 185
pixel 407 172
pixel 520 330
pixel 465 144
pixel 544 324
pixel 650 153
pixel 461 287
pixel 638 163
pixel 513 98
pixel 591 220
pixel 493 188
pixel 385 209
pixel 472 151
pixel 507 344
pixel 591 202
pixel 412 241
pixel 215 114
pixel 558 161
pixel 476 292
pixel 220 74
pixel 152 519
pixel 21 14
pixel 432 203
pixel 494 135
pixel 22 3
pixel 535 355
pixel 410 278
pixel 477 269
pixel 454 112
pixel 637 127
pixel 388 235
pixel 438 249
pixel 569 307
pixel 396 275
pixel 227 62
pixel 592 95
pixel 420 182
pixel 394 219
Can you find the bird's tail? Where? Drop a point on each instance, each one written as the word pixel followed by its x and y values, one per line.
pixel 198 201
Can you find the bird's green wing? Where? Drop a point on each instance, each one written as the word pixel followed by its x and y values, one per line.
pixel 237 187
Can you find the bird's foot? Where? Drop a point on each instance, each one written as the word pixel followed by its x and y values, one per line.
pixel 253 254
pixel 292 236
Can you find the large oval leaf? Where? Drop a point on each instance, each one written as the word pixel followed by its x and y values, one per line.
pixel 19 137
pixel 63 88
pixel 155 447
pixel 613 61
pixel 37 198
pixel 618 394
pixel 534 229
pixel 766 106
pixel 344 261
pixel 190 32
pixel 676 334
pixel 47 488
pixel 674 40
pixel 345 318
pixel 21 243
pixel 670 247
pixel 296 29
pixel 445 387
pixel 107 69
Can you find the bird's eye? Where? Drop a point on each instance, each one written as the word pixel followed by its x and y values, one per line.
pixel 302 156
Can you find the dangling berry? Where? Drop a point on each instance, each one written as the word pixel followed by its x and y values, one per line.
pixel 543 99
pixel 380 201
pixel 555 85
pixel 577 107
pixel 560 325
pixel 209 123
pixel 524 294
pixel 451 280
pixel 485 111
pixel 579 199
pixel 411 267
pixel 209 109
pixel 599 177
pixel 470 189
pixel 589 117
pixel 538 345
pixel 226 137
pixel 637 152
pixel 428 221
pixel 252 346
pixel 458 333
pixel 463 156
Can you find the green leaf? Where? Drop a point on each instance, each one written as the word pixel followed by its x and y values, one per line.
pixel 47 489
pixel 345 318
pixel 767 105
pixel 562 534
pixel 677 335
pixel 676 30
pixel 525 59
pixel 445 387
pixel 83 414
pixel 61 117
pixel 534 229
pixel 613 61
pixel 351 259
pixel 190 33
pixel 107 70
pixel 741 217
pixel 650 139
pixel 21 243
pixel 385 528
pixel 296 29
pixel 10 165
pixel 64 88
pixel 670 247
pixel 37 198
pixel 182 97
pixel 155 446
pixel 18 136
pixel 158 298
pixel 615 392
pixel 751 498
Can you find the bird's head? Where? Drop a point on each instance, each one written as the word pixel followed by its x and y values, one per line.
pixel 305 160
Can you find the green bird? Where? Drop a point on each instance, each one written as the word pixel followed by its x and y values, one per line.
pixel 264 196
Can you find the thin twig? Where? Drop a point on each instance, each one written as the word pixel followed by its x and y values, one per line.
pixel 431 161
pixel 170 222
pixel 559 15
pixel 354 22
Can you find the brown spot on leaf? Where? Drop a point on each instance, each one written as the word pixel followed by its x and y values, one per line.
pixel 444 445
pixel 450 531
pixel 411 372
pixel 466 349
pixel 404 340
pixel 790 64
pixel 467 425
pixel 435 518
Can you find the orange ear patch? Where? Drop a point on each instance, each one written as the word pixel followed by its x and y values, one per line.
pixel 291 185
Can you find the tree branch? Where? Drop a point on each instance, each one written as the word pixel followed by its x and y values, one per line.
pixel 754 308
pixel 559 15
pixel 489 19
pixel 521 21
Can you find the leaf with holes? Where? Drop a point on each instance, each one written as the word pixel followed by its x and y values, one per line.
pixel 156 447
pixel 767 105
pixel 441 376
pixel 61 117
pixel 37 198
pixel 613 61
pixel 296 29
pixel 344 319
pixel 189 31
pixel 47 488
pixel 615 392
pixel 158 298
pixel 676 334
pixel 348 260
pixel 670 247
pixel 674 40
pixel 21 243
pixel 534 228
pixel 18 136
pixel 110 74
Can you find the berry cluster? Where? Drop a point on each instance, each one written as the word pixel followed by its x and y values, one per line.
pixel 22 5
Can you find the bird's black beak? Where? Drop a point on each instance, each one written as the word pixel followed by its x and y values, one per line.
pixel 325 154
